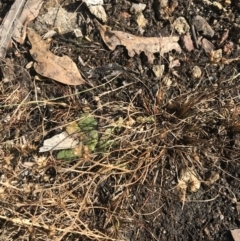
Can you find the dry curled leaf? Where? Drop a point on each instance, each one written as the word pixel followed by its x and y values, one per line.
pixel 136 45
pixel 61 69
pixel 223 37
pixel 188 181
pixel 29 13
pixel 59 142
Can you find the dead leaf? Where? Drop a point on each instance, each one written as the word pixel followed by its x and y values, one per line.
pixel 61 69
pixel 223 37
pixel 8 24
pixel 60 141
pixel 137 45
pixel 187 181
pixel 236 234
pixel 29 13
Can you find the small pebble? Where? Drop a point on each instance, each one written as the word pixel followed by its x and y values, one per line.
pixel 215 56
pixel 158 70
pixel 78 33
pixel 207 45
pixel 181 25
pixel 137 7
pixel 187 42
pixel 201 25
pixel 196 72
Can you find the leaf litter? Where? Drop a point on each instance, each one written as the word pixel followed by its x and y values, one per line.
pixel 136 45
pixel 47 64
pixel 15 22
pixel 29 13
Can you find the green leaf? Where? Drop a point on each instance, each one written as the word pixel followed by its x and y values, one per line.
pixel 92 139
pixel 88 135
pixel 70 153
pixel 87 122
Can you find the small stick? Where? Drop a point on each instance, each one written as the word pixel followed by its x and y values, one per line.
pixel 194 35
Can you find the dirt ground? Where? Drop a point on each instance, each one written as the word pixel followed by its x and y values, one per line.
pixel 172 170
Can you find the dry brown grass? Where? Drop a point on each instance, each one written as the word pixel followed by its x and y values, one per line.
pixel 94 198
